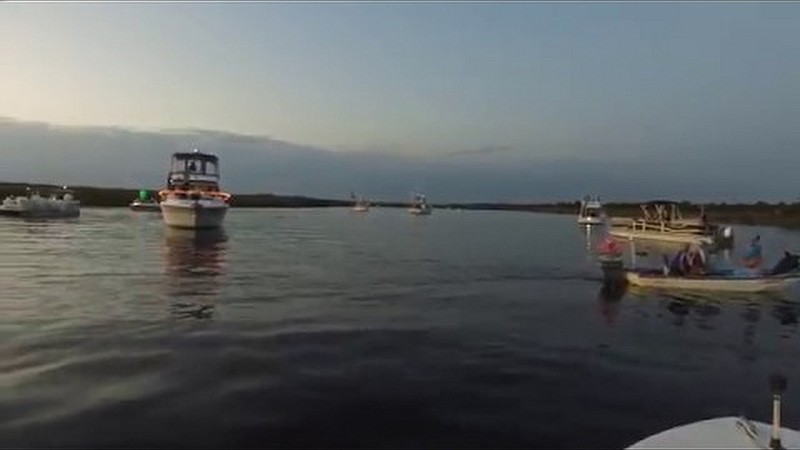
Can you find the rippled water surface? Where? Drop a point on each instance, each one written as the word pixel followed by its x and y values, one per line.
pixel 324 327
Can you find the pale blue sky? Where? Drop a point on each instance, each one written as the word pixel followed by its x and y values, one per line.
pixel 711 82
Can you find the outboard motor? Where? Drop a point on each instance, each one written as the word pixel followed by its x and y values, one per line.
pixel 611 261
pixel 724 237
pixel 788 263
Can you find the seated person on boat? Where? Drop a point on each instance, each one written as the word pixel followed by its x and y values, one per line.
pixel 753 259
pixel 691 260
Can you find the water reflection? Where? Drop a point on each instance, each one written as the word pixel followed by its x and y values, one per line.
pixel 592 234
pixel 195 263
pixel 587 230
pixel 707 306
pixel 609 299
pixel 786 313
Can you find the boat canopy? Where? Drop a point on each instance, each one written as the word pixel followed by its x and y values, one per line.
pixel 663 202
pixel 661 211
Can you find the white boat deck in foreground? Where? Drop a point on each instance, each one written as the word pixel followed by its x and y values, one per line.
pixel 723 432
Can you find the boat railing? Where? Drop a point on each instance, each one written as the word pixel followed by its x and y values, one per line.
pixel 657 226
pixel 194 194
pixel 187 176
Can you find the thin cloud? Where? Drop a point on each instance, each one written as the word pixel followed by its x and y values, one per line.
pixel 485 150
pixel 108 156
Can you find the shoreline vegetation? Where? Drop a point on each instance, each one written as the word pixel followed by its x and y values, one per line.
pixel 784 215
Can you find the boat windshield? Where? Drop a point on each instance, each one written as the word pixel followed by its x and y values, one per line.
pixel 196 169
pixel 195 165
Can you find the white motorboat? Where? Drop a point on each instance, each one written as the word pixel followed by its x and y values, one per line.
pixel 360 205
pixel 591 212
pixel 419 206
pixel 145 203
pixel 729 432
pixel 192 198
pixel 663 221
pixel 60 204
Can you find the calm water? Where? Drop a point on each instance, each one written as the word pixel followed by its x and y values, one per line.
pixel 323 327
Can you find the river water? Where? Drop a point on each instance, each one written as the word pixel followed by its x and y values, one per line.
pixel 330 328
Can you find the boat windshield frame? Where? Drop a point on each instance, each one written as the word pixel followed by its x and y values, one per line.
pixel 195 168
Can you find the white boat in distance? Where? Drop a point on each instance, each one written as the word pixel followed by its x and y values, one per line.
pixel 729 432
pixel 591 212
pixel 360 205
pixel 59 204
pixel 419 206
pixel 192 198
pixel 145 203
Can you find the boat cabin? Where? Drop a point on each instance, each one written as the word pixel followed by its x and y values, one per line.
pixel 591 207
pixel 64 193
pixel 194 170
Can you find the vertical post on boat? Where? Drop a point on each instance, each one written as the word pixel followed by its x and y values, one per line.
pixel 633 252
pixel 778 385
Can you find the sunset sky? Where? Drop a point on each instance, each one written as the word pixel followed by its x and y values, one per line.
pixel 707 91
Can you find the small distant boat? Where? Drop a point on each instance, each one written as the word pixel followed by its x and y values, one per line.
pixel 145 203
pixel 419 206
pixel 59 204
pixel 784 275
pixel 663 221
pixel 729 432
pixel 591 212
pixel 192 198
pixel 360 205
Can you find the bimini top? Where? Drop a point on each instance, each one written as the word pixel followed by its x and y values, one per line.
pixel 665 202
pixel 196 155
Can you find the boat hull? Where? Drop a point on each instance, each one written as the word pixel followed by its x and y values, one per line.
pixel 420 211
pixel 145 207
pixel 10 212
pixel 193 214
pixel 712 283
pixel 43 210
pixel 723 432
pixel 590 221
pixel 361 208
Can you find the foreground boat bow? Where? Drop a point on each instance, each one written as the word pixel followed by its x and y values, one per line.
pixel 730 432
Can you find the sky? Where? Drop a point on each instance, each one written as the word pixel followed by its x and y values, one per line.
pixel 470 101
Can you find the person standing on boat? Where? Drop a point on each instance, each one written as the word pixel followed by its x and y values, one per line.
pixel 690 260
pixel 753 259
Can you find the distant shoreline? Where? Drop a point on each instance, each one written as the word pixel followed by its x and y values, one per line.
pixel 784 215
